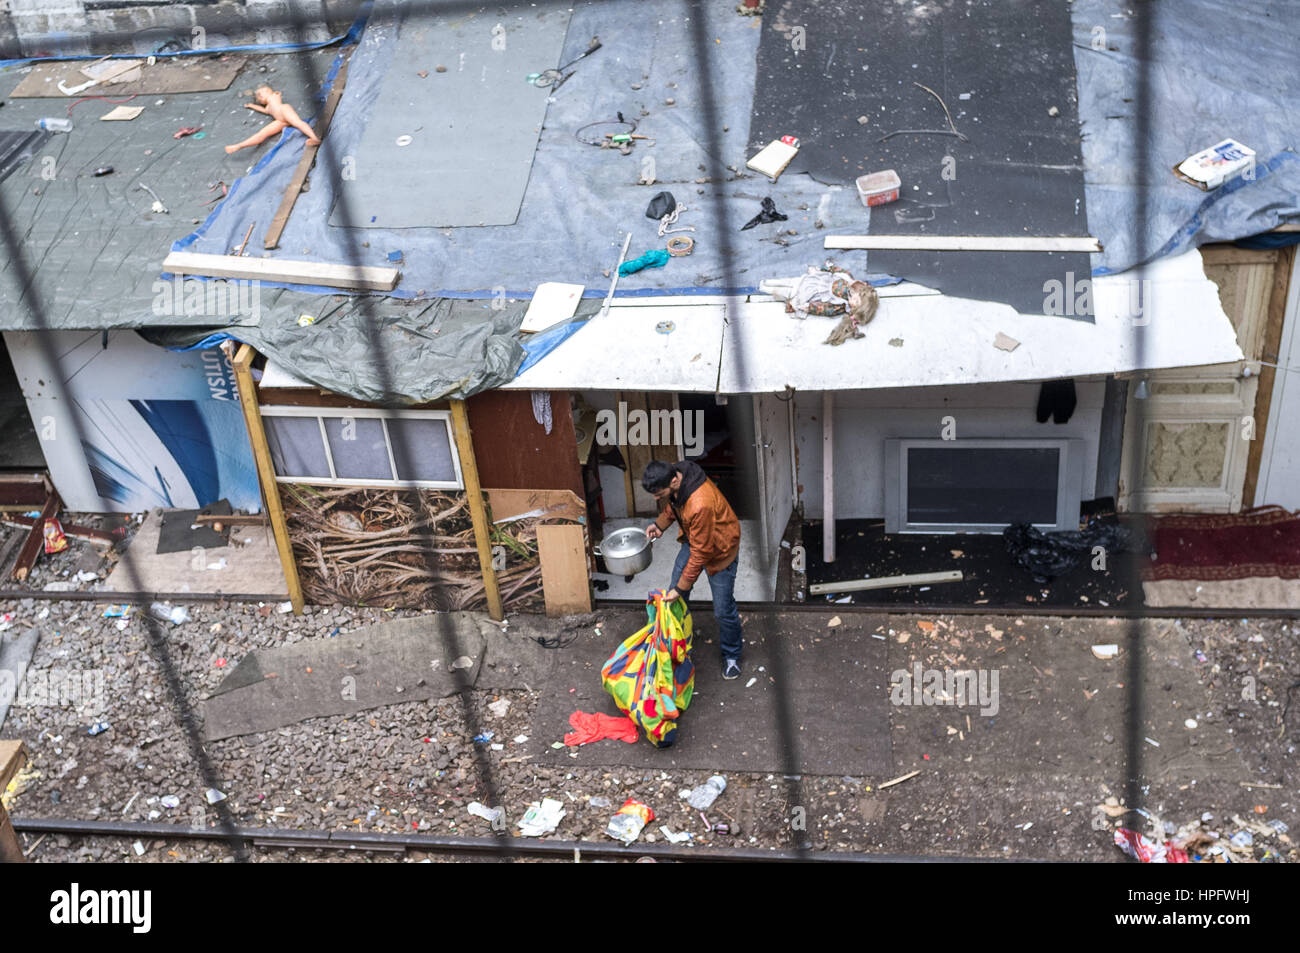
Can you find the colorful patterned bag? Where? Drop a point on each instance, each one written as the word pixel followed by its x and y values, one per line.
pixel 651 676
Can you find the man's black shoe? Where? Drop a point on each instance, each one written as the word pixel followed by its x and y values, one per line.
pixel 730 668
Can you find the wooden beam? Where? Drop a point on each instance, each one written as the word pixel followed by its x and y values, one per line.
pixel 964 242
pixel 11 852
pixel 566 585
pixel 12 757
pixel 885 582
pixel 828 476
pixel 477 509
pixel 364 277
pixel 266 473
pixel 308 157
pixel 553 504
pixel 1270 345
pixel 100 536
pixel 35 542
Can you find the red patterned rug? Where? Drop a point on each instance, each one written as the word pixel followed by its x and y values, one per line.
pixel 1261 542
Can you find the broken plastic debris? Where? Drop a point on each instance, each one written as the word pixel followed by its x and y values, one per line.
pixel 541 818
pixel 1105 651
pixel 702 796
pixel 750 683
pixel 485 736
pixel 463 662
pixel 213 795
pixel 489 814
pixel 629 820
pixel 675 837
pixel 499 707
pixel 284 607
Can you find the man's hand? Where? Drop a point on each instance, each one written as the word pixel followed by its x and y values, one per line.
pixel 671 595
pixel 653 531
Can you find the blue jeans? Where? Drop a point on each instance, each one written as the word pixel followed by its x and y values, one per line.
pixel 723 586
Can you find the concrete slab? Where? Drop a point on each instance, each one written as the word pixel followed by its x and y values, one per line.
pixel 832 681
pixel 16 650
pixel 754 581
pixel 400 661
pixel 252 568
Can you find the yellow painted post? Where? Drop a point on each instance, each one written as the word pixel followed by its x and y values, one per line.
pixel 477 511
pixel 266 472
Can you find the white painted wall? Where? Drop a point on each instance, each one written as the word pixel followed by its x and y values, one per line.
pixel 1279 465
pixel 865 419
pixel 778 490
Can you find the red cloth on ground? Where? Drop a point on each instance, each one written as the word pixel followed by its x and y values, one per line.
pixel 589 728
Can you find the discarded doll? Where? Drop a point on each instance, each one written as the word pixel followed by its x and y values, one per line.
pixel 271 103
pixel 828 292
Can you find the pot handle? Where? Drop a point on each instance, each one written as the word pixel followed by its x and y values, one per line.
pixel 595 549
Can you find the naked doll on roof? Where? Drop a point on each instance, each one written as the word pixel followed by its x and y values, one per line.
pixel 270 102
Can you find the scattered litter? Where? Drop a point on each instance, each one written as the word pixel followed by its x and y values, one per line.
pixel 900 779
pixel 599 801
pixel 463 661
pixel 184 131
pixel 1141 849
pixel 138 848
pixel 520 739
pixel 835 620
pixel 629 820
pixel 490 814
pixel 768 214
pixel 55 540
pixel 499 707
pixel 284 607
pixel 1200 656
pixel 98 728
pixel 879 188
pixel 702 796
pixel 675 837
pixel 484 737
pixel 1190 723
pixel 589 727
pixel 774 157
pixel 877 635
pixel 541 818
pixel 404 140
pixel 1105 651
pixel 213 795
pixel 170 801
pixel 1210 168
pixel 1152 741
pixel 121 113
pixel 654 258
pixel 87 576
pixel 750 683
pixel 116 612
pixel 1004 342
pixel 1053 111
pixel 176 615
pixel 1242 839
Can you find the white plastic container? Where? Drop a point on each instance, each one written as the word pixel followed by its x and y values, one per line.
pixel 879 188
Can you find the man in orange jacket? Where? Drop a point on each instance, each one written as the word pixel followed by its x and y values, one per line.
pixel 710 539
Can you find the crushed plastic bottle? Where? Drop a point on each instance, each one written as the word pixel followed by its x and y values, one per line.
pixel 98 728
pixel 173 614
pixel 54 124
pixel 702 797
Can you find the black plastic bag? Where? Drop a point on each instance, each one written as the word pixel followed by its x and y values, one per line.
pixel 769 214
pixel 1047 555
pixel 662 204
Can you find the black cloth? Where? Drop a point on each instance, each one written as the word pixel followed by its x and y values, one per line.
pixel 693 478
pixel 1057 399
pixel 769 214
pixel 662 204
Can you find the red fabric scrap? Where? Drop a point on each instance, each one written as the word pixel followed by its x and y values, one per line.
pixel 595 727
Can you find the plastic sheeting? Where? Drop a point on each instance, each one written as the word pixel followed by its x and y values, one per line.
pixel 1218 72
pixel 394 353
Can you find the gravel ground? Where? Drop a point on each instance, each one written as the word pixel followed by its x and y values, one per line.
pixel 411 767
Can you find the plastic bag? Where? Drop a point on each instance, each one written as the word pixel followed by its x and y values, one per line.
pixel 55 540
pixel 1047 555
pixel 650 675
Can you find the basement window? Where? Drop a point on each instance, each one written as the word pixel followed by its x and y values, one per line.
pixel 382 448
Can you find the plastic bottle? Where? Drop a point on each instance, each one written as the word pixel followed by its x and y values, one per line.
pixel 702 797
pixel 55 124
pixel 173 614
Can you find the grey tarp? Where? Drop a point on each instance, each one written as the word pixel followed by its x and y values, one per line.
pixel 389 352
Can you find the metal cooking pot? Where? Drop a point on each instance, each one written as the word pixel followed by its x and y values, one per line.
pixel 626 551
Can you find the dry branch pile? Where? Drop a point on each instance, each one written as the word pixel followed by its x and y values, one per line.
pixel 403 548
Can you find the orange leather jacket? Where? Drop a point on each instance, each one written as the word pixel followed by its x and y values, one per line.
pixel 708 524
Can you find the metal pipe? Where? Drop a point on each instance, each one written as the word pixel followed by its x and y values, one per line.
pixel 828 477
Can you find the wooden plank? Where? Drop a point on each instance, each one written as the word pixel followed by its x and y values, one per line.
pixel 1231 255
pixel 266 473
pixel 364 277
pixel 477 510
pixel 566 585
pixel 11 851
pixel 1269 347
pixel 322 126
pixel 885 582
pixel 231 519
pixel 76 532
pixel 187 74
pixel 12 757
pixel 35 541
pixel 964 242
pixel 554 504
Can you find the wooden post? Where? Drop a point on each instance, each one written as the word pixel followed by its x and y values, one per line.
pixel 266 472
pixel 828 477
pixel 12 757
pixel 477 511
